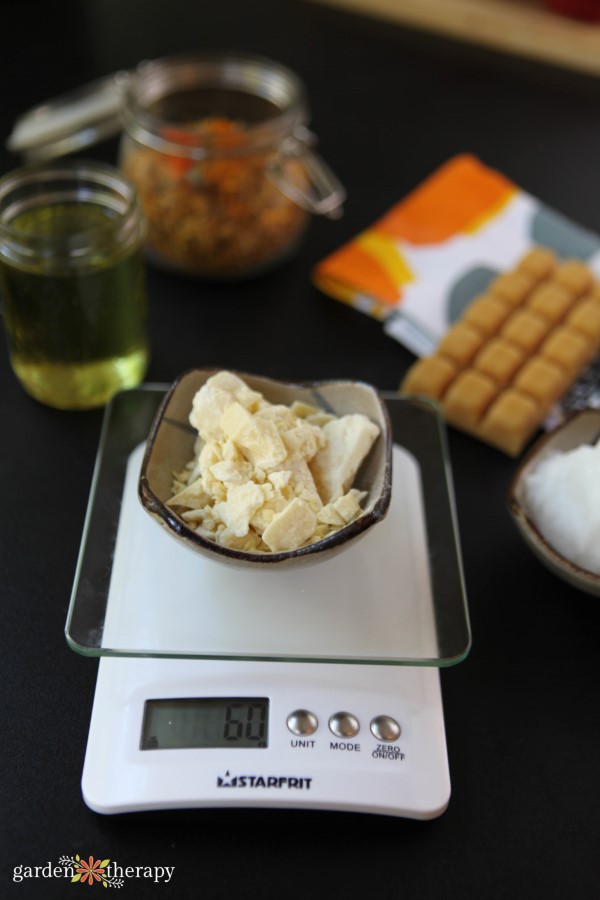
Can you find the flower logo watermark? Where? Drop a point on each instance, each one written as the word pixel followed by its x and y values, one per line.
pixel 91 871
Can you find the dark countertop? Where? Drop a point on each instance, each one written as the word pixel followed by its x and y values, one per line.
pixel 523 731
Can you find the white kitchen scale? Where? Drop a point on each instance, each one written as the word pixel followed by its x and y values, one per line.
pixel 314 688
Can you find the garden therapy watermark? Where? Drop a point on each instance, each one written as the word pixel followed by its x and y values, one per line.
pixel 93 871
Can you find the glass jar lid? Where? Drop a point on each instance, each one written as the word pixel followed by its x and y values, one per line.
pixel 72 121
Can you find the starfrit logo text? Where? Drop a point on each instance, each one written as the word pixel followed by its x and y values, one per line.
pixel 280 782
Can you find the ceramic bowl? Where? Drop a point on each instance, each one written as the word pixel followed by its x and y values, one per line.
pixel 170 447
pixel 580 428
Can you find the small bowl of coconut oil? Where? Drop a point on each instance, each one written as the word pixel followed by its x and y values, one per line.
pixel 554 499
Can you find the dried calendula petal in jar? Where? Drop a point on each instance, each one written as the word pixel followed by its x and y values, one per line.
pixel 268 477
pixel 515 351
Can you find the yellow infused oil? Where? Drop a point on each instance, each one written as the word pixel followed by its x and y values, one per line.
pixel 74 300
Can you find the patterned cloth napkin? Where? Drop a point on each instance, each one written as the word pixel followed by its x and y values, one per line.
pixel 418 266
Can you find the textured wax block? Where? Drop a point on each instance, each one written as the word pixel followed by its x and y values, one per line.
pixel 512 288
pixel 550 300
pixel 468 398
pixel 594 292
pixel 542 380
pixel 585 318
pixel 526 328
pixel 512 419
pixel 486 314
pixel 575 276
pixel 499 360
pixel 515 351
pixel 538 263
pixel 461 343
pixel 568 348
pixel 430 376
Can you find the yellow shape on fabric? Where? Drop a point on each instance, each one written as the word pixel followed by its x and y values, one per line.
pixel 385 252
pixel 491 212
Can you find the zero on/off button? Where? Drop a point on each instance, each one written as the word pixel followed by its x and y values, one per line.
pixel 384 728
pixel 302 722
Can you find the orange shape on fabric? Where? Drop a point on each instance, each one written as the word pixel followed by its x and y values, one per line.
pixel 351 263
pixel 460 192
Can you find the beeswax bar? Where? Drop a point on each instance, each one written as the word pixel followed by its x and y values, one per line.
pixel 515 351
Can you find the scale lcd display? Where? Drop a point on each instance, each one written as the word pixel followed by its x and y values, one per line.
pixel 205 722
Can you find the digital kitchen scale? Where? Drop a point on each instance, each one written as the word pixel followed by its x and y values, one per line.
pixel 316 687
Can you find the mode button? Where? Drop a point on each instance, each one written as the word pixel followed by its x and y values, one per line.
pixel 344 725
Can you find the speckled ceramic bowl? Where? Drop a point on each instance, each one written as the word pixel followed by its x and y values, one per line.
pixel 581 428
pixel 170 447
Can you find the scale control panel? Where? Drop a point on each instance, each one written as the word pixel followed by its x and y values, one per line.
pixel 169 733
pixel 343 724
pixel 343 731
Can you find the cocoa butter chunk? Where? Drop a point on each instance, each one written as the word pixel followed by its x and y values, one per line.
pixel 290 528
pixel 349 439
pixel 257 438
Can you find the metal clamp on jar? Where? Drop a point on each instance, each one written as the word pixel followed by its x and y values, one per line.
pixel 218 148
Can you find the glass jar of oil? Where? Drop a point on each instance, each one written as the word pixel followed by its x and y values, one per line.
pixel 72 282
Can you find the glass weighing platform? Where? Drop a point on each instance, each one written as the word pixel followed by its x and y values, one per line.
pixel 193 706
pixel 395 597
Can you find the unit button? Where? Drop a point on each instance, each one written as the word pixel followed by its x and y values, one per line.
pixel 384 728
pixel 344 725
pixel 302 722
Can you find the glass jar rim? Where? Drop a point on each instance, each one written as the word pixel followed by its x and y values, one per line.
pixel 67 180
pixel 249 74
